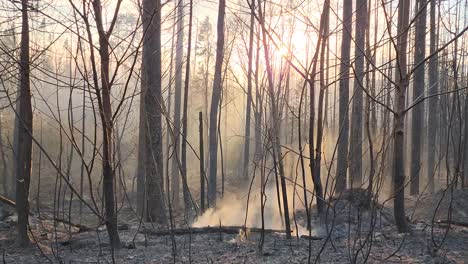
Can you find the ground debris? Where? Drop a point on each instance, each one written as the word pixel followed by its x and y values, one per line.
pixel 343 242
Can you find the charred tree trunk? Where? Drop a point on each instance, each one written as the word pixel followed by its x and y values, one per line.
pixel 215 98
pixel 355 139
pixel 317 153
pixel 141 166
pixel 464 176
pixel 169 135
pixel 399 118
pixel 186 191
pixel 245 164
pixel 433 103
pixel 151 85
pixel 343 128
pixel 418 92
pixel 202 164
pixel 24 134
pixel 175 189
pixel 258 109
pixel 5 174
pixel 107 130
pixel 83 150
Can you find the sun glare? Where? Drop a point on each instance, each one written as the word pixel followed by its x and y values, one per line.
pixel 283 51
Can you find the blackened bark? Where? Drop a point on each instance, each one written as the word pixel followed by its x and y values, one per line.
pixel 433 103
pixel 245 164
pixel 186 191
pixel 215 98
pixel 355 139
pixel 399 117
pixel 202 164
pixel 107 131
pixel 317 154
pixel 151 85
pixel 175 183
pixel 5 173
pixel 24 134
pixel 418 92
pixel 342 159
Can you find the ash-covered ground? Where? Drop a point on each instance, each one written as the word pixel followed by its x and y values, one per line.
pixel 353 235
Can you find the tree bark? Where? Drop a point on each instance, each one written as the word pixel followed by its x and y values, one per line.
pixel 141 163
pixel 316 154
pixel 399 117
pixel 418 92
pixel 107 131
pixel 186 191
pixel 342 159
pixel 355 139
pixel 83 150
pixel 216 95
pixel 202 164
pixel 5 173
pixel 175 183
pixel 24 134
pixel 464 175
pixel 151 85
pixel 245 164
pixel 433 102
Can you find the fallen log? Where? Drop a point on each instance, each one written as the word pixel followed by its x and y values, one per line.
pixel 208 230
pixel 455 223
pixel 311 237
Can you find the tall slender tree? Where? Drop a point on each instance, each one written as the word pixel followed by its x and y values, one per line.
pixel 399 117
pixel 179 54
pixel 342 159
pixel 215 98
pixel 186 191
pixel 23 152
pixel 5 172
pixel 275 122
pixel 355 139
pixel 418 92
pixel 245 164
pixel 151 91
pixel 105 111
pixel 316 150
pixel 433 102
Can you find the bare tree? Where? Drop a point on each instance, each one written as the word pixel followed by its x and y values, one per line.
pixel 23 152
pixel 275 123
pixel 105 111
pixel 186 191
pixel 433 103
pixel 316 150
pixel 151 87
pixel 179 54
pixel 355 138
pixel 342 159
pixel 5 172
pixel 245 163
pixel 399 117
pixel 418 92
pixel 215 98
